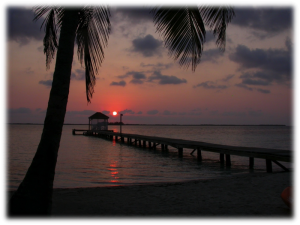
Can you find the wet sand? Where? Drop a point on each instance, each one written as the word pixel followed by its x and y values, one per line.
pixel 250 195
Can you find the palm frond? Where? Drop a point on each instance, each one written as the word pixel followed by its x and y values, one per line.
pixel 217 18
pixel 50 39
pixel 92 36
pixel 183 32
pixel 50 26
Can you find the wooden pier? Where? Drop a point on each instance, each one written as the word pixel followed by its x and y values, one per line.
pixel 225 151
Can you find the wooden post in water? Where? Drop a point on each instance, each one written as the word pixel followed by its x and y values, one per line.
pixel 251 162
pixel 154 145
pixel 228 161
pixel 122 139
pixel 144 144
pixel 162 147
pixel 180 152
pixel 269 165
pixel 221 158
pixel 199 156
pixel 149 144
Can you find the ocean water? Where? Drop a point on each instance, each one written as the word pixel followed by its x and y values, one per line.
pixel 85 161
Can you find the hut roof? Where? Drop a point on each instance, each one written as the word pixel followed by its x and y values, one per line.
pixel 98 115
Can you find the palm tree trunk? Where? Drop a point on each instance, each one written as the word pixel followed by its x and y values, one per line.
pixel 34 195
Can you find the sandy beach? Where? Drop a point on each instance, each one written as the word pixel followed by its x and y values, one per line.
pixel 249 195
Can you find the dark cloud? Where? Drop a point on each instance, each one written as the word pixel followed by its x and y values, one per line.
pixel 255 113
pixel 79 74
pixel 21 27
pixel 270 21
pixel 105 112
pixel 127 111
pixel 140 112
pixel 29 71
pixel 152 112
pixel 47 83
pixel 214 112
pixel 228 77
pixel 272 65
pixel 165 79
pixel 120 83
pixel 147 46
pixel 210 85
pixel 233 113
pixel 168 113
pixel 157 66
pixel 241 85
pixel 264 91
pixel 134 15
pixel 211 55
pixel 137 77
pixel 22 110
pixel 81 113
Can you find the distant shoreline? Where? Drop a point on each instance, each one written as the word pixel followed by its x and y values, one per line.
pixel 248 125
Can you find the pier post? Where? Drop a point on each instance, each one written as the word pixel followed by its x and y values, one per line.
pixel 199 156
pixel 228 161
pixel 269 165
pixel 122 139
pixel 144 144
pixel 162 147
pixel 73 131
pixel 221 158
pixel 140 143
pixel 251 162
pixel 154 145
pixel 180 152
pixel 149 144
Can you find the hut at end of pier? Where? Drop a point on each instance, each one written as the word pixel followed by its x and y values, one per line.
pixel 98 121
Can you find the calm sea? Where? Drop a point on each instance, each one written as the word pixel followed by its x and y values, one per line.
pixel 89 161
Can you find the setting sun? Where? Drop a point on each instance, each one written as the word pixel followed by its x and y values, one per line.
pixel 115 113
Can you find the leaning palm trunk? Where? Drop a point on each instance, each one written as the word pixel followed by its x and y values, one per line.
pixel 34 195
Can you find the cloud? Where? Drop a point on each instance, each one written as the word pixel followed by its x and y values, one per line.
pixel 165 79
pixel 241 85
pixel 211 55
pixel 79 74
pixel 22 110
pixel 147 46
pixel 152 112
pixel 47 83
pixel 255 113
pixel 265 22
pixel 228 77
pixel 264 91
pixel 127 111
pixel 29 71
pixel 21 27
pixel 157 66
pixel 120 83
pixel 105 112
pixel 130 11
pixel 271 65
pixel 140 112
pixel 81 113
pixel 168 113
pixel 210 85
pixel 137 77
pixel 232 113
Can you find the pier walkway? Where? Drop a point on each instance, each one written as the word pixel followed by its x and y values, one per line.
pixel 225 151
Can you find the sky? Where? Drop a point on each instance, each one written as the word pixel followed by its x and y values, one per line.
pixel 250 83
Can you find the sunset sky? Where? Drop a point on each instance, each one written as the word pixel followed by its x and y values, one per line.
pixel 250 83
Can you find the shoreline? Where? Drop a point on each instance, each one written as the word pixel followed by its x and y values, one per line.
pixel 245 195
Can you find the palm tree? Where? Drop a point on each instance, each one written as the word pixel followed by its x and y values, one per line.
pixel 183 30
